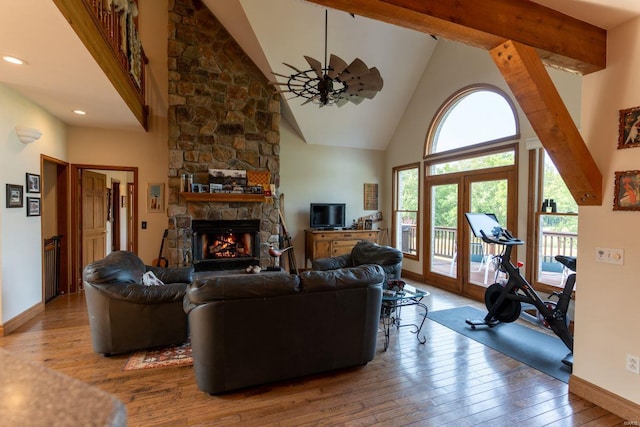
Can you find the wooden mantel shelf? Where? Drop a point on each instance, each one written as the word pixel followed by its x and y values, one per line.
pixel 226 197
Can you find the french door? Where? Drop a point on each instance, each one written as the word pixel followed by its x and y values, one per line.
pixel 457 260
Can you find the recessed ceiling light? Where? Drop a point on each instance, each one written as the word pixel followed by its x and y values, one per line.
pixel 80 112
pixel 14 60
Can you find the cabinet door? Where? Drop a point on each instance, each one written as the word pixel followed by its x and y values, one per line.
pixel 321 249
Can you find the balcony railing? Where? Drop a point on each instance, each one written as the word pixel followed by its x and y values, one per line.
pixel 552 244
pixel 119 28
pixel 108 29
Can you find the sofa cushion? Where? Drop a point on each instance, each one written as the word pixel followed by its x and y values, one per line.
pixel 117 267
pixel 242 286
pixel 352 277
pixel 371 253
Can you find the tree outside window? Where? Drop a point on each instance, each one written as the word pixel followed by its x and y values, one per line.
pixel 406 202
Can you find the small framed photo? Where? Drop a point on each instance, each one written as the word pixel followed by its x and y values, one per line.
pixel 155 197
pixel 629 128
pixel 626 194
pixel 15 196
pixel 33 206
pixel 33 183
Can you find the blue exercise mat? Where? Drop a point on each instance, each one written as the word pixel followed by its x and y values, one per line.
pixel 539 350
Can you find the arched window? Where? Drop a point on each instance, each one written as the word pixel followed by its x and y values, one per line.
pixel 478 114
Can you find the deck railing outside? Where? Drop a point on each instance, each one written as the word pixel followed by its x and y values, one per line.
pixel 445 238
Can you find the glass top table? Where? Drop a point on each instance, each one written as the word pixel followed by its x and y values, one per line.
pixel 392 303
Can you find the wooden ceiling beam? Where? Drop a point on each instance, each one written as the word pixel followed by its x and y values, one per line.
pixel 532 86
pixel 561 41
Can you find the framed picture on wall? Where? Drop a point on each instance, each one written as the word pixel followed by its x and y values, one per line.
pixel 33 183
pixel 629 128
pixel 626 194
pixel 33 206
pixel 14 196
pixel 371 197
pixel 155 197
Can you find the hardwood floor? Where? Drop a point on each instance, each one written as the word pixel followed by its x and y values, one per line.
pixel 452 380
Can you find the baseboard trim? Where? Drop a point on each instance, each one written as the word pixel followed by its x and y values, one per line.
pixel 413 276
pixel 22 318
pixel 613 403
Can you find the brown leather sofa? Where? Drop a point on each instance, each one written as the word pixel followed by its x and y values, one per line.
pixel 254 329
pixel 125 315
pixel 364 252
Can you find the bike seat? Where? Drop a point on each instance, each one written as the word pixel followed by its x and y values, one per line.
pixel 567 261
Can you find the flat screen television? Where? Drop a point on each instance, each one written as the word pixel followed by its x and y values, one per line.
pixel 327 216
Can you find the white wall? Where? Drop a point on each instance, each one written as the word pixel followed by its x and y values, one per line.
pixel 608 295
pixel 322 174
pixel 21 236
pixel 454 66
pixel 148 151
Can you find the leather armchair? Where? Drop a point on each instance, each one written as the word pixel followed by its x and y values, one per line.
pixel 389 258
pixel 124 314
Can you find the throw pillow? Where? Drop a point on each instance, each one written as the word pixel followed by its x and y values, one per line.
pixel 150 279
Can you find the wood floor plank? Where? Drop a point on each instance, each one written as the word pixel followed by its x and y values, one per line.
pixel 450 380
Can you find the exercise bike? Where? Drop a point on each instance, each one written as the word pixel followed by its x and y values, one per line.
pixel 504 298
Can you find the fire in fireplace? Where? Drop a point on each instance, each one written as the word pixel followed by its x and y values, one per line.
pixel 224 245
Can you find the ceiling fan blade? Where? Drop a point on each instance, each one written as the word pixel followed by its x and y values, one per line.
pixel 281 75
pixel 355 99
pixel 336 66
pixel 292 67
pixel 315 65
pixel 355 69
pixel 361 91
pixel 342 101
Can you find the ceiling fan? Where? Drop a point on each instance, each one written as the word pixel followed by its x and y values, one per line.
pixel 335 83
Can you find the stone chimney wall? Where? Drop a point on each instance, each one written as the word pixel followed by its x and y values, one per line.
pixel 222 114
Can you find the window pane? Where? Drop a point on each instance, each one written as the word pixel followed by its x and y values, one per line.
pixel 481 162
pixel 444 223
pixel 558 236
pixel 555 189
pixel 407 227
pixel 480 116
pixel 408 190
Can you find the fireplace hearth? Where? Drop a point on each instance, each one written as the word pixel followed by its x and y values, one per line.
pixel 225 244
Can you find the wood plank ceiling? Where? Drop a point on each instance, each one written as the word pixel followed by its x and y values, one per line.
pixel 522 37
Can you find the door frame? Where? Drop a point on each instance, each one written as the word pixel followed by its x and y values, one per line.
pixel 63 224
pixel 76 216
pixel 461 282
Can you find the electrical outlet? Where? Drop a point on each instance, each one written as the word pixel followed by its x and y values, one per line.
pixel 610 256
pixel 633 364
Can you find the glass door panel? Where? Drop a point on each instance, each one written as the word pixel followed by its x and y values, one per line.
pixel 486 193
pixel 444 229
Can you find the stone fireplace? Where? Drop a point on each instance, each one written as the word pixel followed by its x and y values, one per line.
pixel 223 114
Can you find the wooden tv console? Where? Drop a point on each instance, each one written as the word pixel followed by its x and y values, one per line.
pixel 325 244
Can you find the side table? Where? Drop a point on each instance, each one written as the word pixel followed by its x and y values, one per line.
pixel 392 303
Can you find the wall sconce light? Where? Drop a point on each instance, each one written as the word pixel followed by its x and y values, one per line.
pixel 28 135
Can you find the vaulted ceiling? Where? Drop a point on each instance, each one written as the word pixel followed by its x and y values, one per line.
pixel 271 32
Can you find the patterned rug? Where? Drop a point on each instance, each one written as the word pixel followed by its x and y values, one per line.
pixel 160 358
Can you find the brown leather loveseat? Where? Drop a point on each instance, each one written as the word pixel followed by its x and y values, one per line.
pixel 254 329
pixel 364 252
pixel 125 315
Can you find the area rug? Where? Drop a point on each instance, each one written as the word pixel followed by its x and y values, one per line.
pixel 160 358
pixel 539 350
